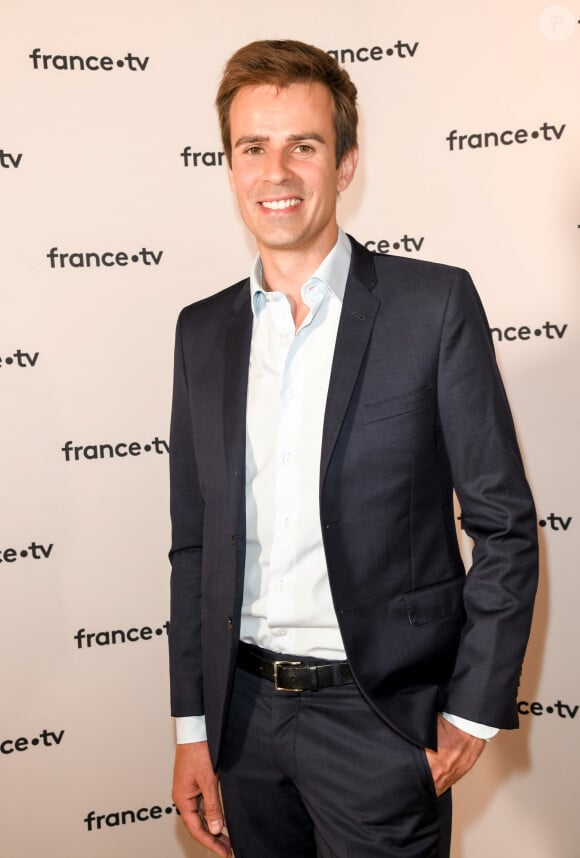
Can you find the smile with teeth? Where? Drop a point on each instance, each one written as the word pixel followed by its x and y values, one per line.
pixel 281 204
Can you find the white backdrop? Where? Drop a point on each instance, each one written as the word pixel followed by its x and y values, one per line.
pixel 111 223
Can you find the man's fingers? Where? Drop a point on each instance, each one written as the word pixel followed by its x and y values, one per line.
pixel 208 831
pixel 210 808
pixel 196 826
pixel 457 753
pixel 196 795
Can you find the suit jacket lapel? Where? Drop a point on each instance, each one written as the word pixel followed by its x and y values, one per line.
pixel 358 315
pixel 359 310
pixel 237 357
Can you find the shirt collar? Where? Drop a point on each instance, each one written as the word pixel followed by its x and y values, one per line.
pixel 332 271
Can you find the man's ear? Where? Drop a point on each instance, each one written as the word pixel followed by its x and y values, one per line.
pixel 231 179
pixel 347 169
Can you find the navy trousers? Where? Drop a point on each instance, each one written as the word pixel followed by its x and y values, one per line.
pixel 320 775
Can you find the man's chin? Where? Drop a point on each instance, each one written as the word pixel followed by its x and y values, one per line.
pixel 280 239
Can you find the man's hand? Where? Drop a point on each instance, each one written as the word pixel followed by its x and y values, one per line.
pixel 456 753
pixel 195 793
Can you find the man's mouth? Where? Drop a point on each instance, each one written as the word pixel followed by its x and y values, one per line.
pixel 278 205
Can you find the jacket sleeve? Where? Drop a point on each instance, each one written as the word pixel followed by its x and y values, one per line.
pixel 187 517
pixel 478 439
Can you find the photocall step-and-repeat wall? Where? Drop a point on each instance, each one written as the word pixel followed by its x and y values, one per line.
pixel 116 212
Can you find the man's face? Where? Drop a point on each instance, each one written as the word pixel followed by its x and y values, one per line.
pixel 283 171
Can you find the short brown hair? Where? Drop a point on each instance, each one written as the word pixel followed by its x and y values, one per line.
pixel 282 63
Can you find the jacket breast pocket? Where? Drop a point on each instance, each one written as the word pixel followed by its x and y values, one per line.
pixel 394 406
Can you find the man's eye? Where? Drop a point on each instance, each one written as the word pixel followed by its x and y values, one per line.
pixel 304 148
pixel 253 150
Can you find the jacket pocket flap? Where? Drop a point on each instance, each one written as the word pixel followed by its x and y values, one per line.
pixel 431 603
pixel 402 404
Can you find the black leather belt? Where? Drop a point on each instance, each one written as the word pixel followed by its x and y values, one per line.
pixel 295 675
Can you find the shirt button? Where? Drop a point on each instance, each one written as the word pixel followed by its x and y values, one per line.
pixel 282 585
pixel 281 633
pixel 291 393
pixel 288 458
pixel 286 522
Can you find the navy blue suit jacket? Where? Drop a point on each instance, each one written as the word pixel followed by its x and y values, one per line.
pixel 415 408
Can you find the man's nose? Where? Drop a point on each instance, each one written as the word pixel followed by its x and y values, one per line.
pixel 277 167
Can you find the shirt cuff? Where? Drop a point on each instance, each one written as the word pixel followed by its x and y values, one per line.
pixel 481 731
pixel 190 729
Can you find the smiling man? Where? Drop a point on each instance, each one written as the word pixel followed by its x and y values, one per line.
pixel 332 665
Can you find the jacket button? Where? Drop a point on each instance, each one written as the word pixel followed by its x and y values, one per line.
pixel 230 622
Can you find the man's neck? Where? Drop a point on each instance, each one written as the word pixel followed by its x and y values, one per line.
pixel 287 271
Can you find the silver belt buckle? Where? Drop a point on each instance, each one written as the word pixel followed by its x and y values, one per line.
pixel 279 664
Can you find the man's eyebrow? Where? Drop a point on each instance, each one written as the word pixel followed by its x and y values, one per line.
pixel 250 139
pixel 308 135
pixel 253 138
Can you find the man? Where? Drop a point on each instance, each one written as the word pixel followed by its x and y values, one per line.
pixel 331 662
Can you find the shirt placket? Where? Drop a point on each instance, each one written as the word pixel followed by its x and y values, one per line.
pixel 283 594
